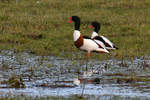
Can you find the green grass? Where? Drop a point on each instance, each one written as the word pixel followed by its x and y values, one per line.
pixel 43 29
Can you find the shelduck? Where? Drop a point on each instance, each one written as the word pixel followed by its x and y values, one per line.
pixel 108 44
pixel 83 42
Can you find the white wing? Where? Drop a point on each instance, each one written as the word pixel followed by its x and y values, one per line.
pixel 102 45
pixel 107 41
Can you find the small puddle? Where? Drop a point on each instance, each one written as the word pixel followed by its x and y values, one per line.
pixel 31 75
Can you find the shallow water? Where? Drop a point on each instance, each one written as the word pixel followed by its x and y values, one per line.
pixel 53 76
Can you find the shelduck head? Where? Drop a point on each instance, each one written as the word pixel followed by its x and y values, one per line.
pixel 96 26
pixel 76 20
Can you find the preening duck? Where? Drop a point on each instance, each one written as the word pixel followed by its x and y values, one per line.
pixel 108 44
pixel 83 42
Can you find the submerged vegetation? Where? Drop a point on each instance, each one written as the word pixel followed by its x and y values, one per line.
pixel 14 82
pixel 41 26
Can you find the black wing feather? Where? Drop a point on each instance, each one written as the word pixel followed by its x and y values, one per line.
pixel 86 37
pixel 99 38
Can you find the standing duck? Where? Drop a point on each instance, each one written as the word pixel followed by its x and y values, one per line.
pixel 83 42
pixel 108 44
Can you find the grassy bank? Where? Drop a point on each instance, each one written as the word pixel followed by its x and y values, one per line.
pixel 42 28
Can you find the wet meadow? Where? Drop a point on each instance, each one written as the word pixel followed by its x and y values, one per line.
pixel 38 59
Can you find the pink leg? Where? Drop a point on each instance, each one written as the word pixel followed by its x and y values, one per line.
pixel 89 54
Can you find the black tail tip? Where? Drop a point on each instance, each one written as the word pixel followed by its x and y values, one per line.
pixel 116 47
